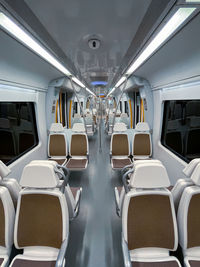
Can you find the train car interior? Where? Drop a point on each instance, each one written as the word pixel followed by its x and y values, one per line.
pixel 100 133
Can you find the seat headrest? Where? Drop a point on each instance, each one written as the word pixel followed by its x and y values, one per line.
pixel 188 170
pixel 119 127
pixel 39 176
pixel 56 127
pixel 49 162
pixel 78 127
pixel 76 115
pixel 4 170
pixel 196 175
pixel 151 174
pixel 124 115
pixel 142 127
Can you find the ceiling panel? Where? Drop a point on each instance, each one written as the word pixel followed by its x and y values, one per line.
pixel 71 23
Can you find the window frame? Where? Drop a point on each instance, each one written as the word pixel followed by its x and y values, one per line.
pixel 164 128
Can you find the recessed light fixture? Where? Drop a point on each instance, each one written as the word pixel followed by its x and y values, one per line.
pixel 99 83
pixel 170 27
pixel 15 30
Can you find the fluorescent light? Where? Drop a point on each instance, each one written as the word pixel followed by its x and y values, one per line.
pixel 89 91
pixel 123 78
pixel 175 21
pixel 22 36
pixel 111 91
pixel 78 82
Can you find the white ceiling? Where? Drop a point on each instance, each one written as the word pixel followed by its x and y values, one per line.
pixel 72 22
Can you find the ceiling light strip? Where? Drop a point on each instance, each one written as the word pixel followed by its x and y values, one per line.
pixel 181 15
pixel 78 82
pixel 111 91
pixel 11 27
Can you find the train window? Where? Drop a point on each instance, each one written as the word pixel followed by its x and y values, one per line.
pixel 126 107
pixel 181 128
pixel 18 131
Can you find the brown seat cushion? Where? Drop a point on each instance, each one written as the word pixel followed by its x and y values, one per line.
pixel 59 161
pixel 1 261
pixel 194 263
pixel 31 263
pixel 120 163
pixel 155 264
pixel 76 163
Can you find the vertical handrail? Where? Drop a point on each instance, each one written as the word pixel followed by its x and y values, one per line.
pixel 100 124
pixel 125 83
pixel 78 103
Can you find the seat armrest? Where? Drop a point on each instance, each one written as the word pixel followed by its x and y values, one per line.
pixel 125 180
pixel 62 252
pixel 77 206
pixel 126 254
pixel 127 167
pixel 117 201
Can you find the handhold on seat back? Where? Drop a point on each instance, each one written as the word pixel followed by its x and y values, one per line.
pixel 149 174
pixel 196 175
pixel 188 170
pixel 4 170
pixel 120 127
pixel 142 127
pixel 78 127
pixel 39 176
pixel 56 127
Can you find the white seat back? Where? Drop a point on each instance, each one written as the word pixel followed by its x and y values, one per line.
pixel 188 217
pixel 11 184
pixel 41 209
pixel 181 184
pixel 142 146
pixel 57 143
pixel 119 145
pixel 148 214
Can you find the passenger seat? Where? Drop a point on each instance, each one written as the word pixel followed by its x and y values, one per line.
pixel 142 146
pixel 57 144
pixel 72 194
pixel 7 217
pixel 78 148
pixel 181 184
pixel 42 220
pixel 189 221
pixel 11 184
pixel 119 147
pixel 149 228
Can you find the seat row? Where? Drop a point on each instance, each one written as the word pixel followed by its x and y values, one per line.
pixel 74 158
pixel 120 152
pixel 148 210
pixel 40 226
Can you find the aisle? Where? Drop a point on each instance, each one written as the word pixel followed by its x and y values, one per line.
pixel 95 236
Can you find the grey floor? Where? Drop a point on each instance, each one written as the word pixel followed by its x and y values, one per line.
pixel 95 235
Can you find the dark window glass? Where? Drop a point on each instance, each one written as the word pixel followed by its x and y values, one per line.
pixel 120 106
pixel 126 107
pixel 181 128
pixel 18 131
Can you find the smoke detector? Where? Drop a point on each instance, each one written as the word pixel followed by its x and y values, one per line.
pixel 94 44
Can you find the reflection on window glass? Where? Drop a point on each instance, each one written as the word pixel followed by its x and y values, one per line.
pixel 181 128
pixel 18 132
